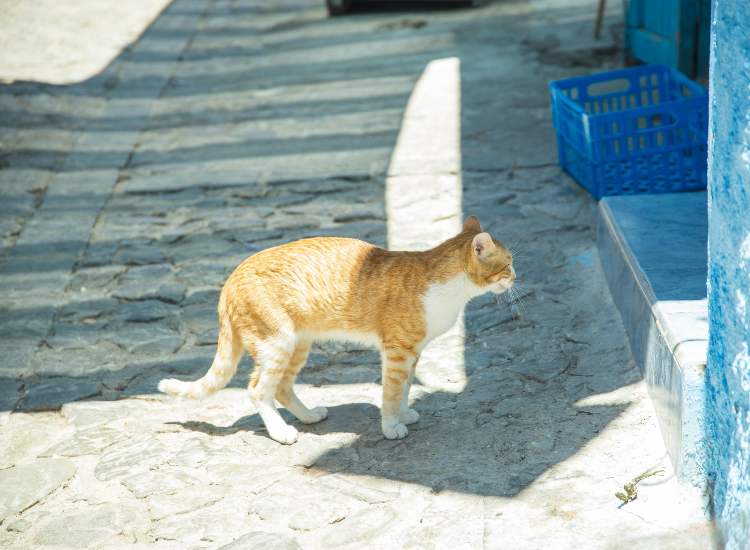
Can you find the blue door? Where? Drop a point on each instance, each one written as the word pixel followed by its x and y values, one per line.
pixel 704 39
pixel 669 32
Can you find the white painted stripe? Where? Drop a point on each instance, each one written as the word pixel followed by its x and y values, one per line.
pixel 423 197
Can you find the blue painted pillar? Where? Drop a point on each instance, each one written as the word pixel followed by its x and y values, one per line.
pixel 728 371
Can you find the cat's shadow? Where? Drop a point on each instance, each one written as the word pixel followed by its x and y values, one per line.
pixel 346 418
pixel 496 453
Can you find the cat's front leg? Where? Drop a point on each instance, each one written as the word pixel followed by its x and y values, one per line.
pixel 397 367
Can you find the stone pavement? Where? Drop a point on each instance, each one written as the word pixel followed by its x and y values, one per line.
pixel 233 126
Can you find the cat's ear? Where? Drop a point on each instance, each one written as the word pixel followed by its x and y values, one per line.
pixel 472 224
pixel 482 245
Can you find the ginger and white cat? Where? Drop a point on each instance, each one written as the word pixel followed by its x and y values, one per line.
pixel 278 301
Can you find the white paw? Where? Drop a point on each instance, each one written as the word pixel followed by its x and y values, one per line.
pixel 284 434
pixel 408 416
pixel 393 429
pixel 316 415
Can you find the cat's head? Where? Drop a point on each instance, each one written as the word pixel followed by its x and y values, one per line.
pixel 490 264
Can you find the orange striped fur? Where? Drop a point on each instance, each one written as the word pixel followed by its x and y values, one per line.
pixel 278 301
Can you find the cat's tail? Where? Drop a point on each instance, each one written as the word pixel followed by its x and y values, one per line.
pixel 228 354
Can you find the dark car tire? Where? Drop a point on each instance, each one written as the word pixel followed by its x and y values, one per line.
pixel 338 7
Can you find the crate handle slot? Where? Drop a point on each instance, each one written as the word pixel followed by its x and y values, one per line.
pixel 608 87
pixel 656 120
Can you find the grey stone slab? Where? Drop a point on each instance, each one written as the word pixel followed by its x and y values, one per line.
pixel 202 272
pixel 367 231
pixel 260 539
pixel 67 336
pixel 78 362
pixel 317 515
pixel 196 247
pixel 18 525
pixel 91 441
pixel 147 339
pixel 229 217
pixel 202 296
pixel 360 489
pixel 324 187
pixel 15 320
pixel 18 352
pixel 9 393
pixel 159 482
pixel 200 317
pixel 138 255
pixel 100 278
pixel 358 213
pixel 54 393
pixel 479 321
pixel 29 283
pixel 92 526
pixel 195 453
pixel 185 499
pixel 365 525
pixel 260 235
pixel 126 457
pixel 249 191
pixel 150 282
pixel 88 310
pixel 286 222
pixel 207 338
pixel 50 244
pixel 150 272
pixel 145 311
pixel 24 485
pixel 99 254
pixel 83 415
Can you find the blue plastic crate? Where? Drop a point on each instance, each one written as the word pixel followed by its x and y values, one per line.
pixel 638 130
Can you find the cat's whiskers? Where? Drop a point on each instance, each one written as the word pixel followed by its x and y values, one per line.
pixel 513 300
pixel 516 300
pixel 515 246
pixel 515 308
pixel 522 305
pixel 517 254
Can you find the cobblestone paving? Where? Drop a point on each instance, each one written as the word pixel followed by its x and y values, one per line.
pixel 233 126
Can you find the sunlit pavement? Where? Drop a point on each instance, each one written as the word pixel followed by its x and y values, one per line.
pixel 131 192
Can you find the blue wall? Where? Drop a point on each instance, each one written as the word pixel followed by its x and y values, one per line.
pixel 728 371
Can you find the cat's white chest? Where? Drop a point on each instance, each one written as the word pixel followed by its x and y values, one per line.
pixel 444 301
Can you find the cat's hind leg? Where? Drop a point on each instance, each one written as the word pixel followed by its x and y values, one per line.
pixel 272 357
pixel 405 414
pixel 398 364
pixel 285 393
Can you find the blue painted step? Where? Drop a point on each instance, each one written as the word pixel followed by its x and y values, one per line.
pixel 653 253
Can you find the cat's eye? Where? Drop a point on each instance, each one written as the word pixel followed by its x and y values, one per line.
pixel 503 273
pixel 499 275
